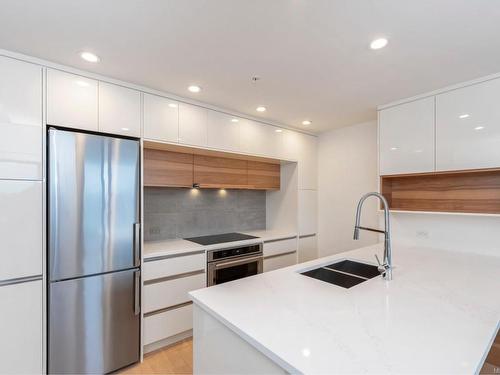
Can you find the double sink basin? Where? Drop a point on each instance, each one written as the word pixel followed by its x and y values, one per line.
pixel 345 273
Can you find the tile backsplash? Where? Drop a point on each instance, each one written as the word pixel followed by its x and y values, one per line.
pixel 180 213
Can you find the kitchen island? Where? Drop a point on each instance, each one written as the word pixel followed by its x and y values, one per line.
pixel 439 314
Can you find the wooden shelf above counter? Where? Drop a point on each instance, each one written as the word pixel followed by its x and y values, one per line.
pixel 470 191
pixel 168 165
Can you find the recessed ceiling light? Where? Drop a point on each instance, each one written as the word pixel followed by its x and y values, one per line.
pixel 172 105
pixel 194 88
pixel 234 120
pixel 465 115
pixel 306 122
pixel 261 108
pixel 278 130
pixel 90 57
pixel 394 148
pixel 479 128
pixel 126 129
pixel 378 43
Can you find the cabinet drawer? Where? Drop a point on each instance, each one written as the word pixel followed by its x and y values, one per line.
pixel 171 292
pixel 280 261
pixel 168 323
pixel 280 247
pixel 156 269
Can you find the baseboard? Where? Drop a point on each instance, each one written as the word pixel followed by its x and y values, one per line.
pixel 167 341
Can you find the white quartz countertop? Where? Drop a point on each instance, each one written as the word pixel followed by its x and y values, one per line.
pixel 153 249
pixel 439 314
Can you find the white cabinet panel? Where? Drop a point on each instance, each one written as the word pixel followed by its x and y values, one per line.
pixel 308 248
pixel 71 100
pixel 20 229
pixel 279 247
pixel 119 110
pixel 171 292
pixel 290 145
pixel 280 261
pixel 192 125
pixel 260 139
pixel 406 138
pixel 161 118
pixel 21 327
pixel 156 269
pixel 468 127
pixel 308 162
pixel 308 212
pixel 223 131
pixel 20 120
pixel 169 323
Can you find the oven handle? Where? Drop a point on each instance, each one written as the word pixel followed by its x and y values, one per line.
pixel 239 261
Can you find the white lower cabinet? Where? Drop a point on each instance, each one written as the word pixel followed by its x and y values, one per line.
pixel 20 229
pixel 156 269
pixel 308 212
pixel 168 323
pixel 280 261
pixel 308 248
pixel 279 254
pixel 21 328
pixel 171 292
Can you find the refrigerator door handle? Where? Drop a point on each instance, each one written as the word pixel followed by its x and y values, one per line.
pixel 137 292
pixel 137 244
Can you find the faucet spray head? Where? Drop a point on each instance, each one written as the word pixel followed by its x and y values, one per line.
pixel 356 234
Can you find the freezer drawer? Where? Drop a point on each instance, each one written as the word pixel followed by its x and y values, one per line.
pixel 94 323
pixel 93 204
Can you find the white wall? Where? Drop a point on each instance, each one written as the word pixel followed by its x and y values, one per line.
pixel 454 232
pixel 347 169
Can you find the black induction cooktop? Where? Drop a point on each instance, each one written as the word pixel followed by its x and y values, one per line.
pixel 220 238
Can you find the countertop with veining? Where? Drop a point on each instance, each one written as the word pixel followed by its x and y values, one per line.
pixel 439 314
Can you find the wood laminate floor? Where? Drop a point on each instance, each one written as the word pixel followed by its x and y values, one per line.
pixel 174 359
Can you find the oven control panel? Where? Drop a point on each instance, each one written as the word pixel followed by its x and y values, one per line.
pixel 234 252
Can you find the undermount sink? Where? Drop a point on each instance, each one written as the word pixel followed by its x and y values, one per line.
pixel 344 273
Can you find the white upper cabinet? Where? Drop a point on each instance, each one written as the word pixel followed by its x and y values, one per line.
pixel 161 118
pixel 468 127
pixel 290 145
pixel 71 100
pixel 119 110
pixel 20 120
pixel 406 138
pixel 223 131
pixel 260 139
pixel 192 125
pixel 308 162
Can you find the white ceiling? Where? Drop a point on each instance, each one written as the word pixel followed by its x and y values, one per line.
pixel 312 55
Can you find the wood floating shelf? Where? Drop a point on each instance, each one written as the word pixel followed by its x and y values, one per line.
pixel 208 169
pixel 471 191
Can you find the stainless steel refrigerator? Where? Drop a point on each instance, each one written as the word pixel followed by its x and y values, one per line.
pixel 93 252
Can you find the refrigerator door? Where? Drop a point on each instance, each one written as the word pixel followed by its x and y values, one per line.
pixel 94 323
pixel 93 204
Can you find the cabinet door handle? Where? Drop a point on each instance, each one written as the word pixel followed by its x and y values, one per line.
pixel 137 244
pixel 137 292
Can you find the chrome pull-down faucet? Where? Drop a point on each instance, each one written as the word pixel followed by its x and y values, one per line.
pixel 386 267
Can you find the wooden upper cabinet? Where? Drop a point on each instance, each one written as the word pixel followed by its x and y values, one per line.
pixel 263 175
pixel 167 168
pixel 218 172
